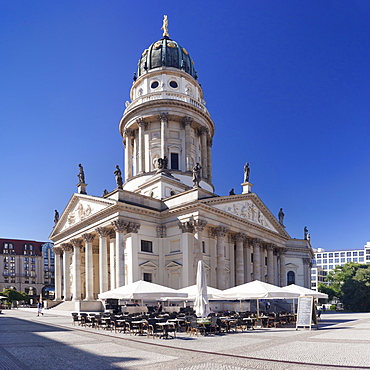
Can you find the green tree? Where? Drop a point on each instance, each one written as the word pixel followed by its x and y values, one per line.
pixel 14 295
pixel 350 283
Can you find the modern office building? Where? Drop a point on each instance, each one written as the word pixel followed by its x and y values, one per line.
pixel 23 267
pixel 324 262
pixel 164 215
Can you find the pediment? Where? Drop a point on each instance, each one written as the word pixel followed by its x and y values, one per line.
pixel 80 208
pixel 149 264
pixel 248 210
pixel 173 264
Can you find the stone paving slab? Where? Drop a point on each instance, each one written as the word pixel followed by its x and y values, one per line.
pixel 51 342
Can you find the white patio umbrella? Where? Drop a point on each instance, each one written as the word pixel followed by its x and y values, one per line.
pixel 192 292
pixel 304 292
pixel 256 290
pixel 3 297
pixel 201 304
pixel 141 290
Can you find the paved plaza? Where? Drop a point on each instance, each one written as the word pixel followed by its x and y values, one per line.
pixel 52 342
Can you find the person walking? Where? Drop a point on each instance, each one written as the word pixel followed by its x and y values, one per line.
pixel 39 308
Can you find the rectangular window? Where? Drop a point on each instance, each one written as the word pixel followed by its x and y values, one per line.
pixel 174 161
pixel 319 262
pixel 325 255
pixel 342 260
pixel 252 257
pixel 325 261
pixel 330 260
pixel 354 253
pixel 146 246
pixel 361 253
pixel 203 247
pixel 330 267
pixel 361 259
pixel 147 277
pixel 336 254
pixel 318 255
pixel 342 254
pixel 336 260
pixel 355 259
pixel 330 255
pixel 349 254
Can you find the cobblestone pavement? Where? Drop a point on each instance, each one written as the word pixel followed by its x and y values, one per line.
pixel 51 342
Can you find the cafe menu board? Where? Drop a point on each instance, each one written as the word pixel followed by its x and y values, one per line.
pixel 304 313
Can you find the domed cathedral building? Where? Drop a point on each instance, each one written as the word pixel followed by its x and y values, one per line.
pixel 164 215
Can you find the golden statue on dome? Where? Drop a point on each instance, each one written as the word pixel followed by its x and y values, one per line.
pixel 165 26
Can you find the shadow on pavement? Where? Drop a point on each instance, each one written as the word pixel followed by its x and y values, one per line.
pixel 35 345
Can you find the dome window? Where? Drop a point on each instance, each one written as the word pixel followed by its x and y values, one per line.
pixel 174 84
pixel 154 84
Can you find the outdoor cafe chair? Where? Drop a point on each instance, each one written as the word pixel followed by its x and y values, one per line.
pixel 75 318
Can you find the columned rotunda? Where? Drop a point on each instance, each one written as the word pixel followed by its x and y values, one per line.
pixel 164 215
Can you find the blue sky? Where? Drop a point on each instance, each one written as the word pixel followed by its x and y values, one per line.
pixel 287 84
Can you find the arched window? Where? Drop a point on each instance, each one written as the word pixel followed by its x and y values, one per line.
pixel 291 277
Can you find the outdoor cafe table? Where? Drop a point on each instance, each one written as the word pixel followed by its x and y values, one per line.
pixel 177 322
pixel 165 326
pixel 140 325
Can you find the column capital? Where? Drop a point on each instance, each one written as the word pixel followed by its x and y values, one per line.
pixel 129 132
pixel 142 123
pixel 186 121
pixel 126 227
pixel 307 261
pixel 58 251
pixel 77 243
pixel 163 116
pixel 210 142
pixel 103 231
pixel 119 226
pixel 132 227
pixel 199 225
pixel 239 237
pixel 257 242
pixel 220 231
pixel 88 238
pixel 282 251
pixel 186 226
pixel 112 234
pixel 67 247
pixel 161 231
pixel 203 130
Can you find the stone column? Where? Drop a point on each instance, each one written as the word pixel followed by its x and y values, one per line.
pixel 187 124
pixel 209 156
pixel 239 258
pixel 204 151
pixel 198 238
pixel 307 264
pixel 132 248
pixel 162 248
pixel 270 264
pixel 164 134
pixel 282 267
pixel 141 123
pixel 67 248
pixel 247 267
pixel 263 265
pixel 112 259
pixel 128 154
pixel 256 259
pixel 220 233
pixel 76 283
pixel 119 228
pixel 187 245
pixel 89 272
pixel 58 251
pixel 103 258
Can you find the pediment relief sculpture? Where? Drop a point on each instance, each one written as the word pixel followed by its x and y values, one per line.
pixel 247 210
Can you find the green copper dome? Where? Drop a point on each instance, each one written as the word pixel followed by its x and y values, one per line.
pixel 166 53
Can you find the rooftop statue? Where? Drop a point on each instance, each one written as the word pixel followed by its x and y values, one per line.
pixel 81 174
pixel 247 171
pixel 281 216
pixel 56 217
pixel 165 26
pixel 118 175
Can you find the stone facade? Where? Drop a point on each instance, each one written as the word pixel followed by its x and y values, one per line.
pixel 163 220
